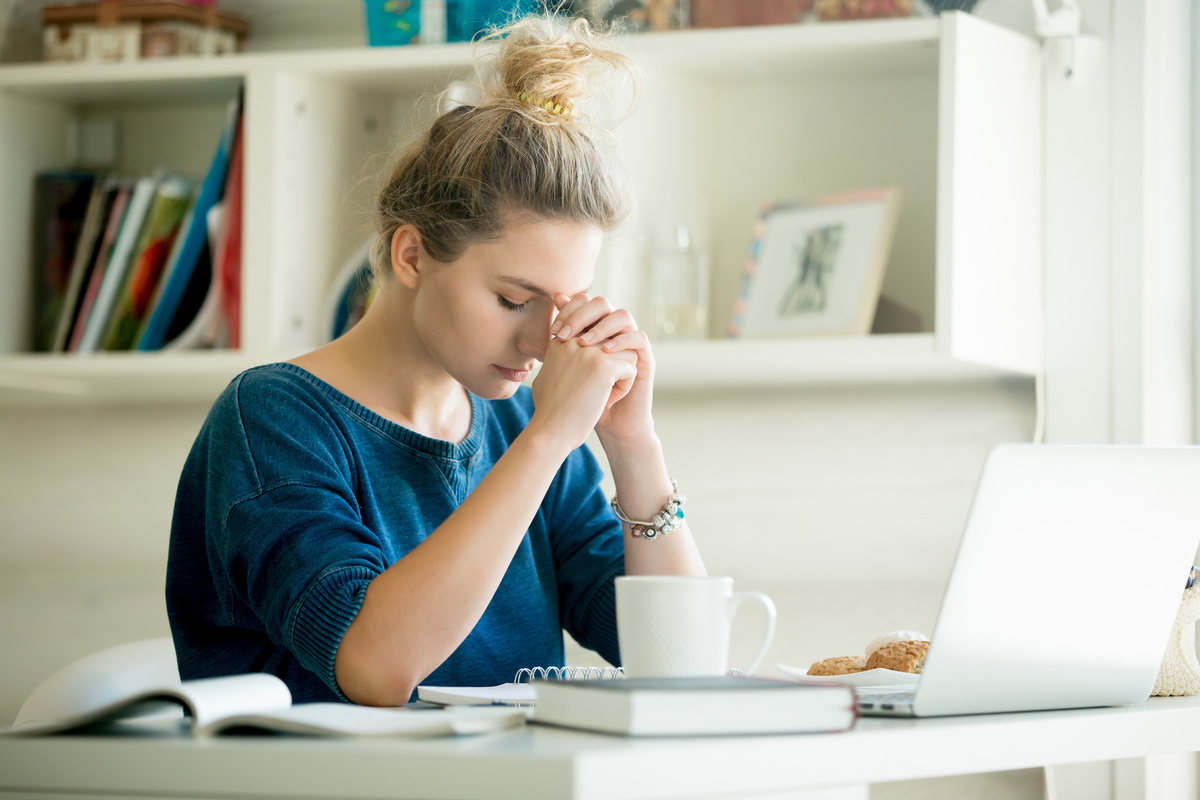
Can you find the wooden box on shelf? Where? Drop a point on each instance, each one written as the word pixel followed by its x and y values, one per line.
pixel 125 31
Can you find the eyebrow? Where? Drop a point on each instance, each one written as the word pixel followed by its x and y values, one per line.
pixel 533 287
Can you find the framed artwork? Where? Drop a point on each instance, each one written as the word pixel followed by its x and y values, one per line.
pixel 815 268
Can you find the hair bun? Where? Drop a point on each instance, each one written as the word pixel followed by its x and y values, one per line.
pixel 549 67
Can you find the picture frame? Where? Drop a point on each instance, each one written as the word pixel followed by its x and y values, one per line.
pixel 815 268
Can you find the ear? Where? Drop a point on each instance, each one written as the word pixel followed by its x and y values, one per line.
pixel 406 256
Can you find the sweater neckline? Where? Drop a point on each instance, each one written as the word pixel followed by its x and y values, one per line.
pixel 456 451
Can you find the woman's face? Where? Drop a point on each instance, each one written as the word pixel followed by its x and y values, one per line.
pixel 486 317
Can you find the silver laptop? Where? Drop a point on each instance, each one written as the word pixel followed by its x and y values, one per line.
pixel 1068 577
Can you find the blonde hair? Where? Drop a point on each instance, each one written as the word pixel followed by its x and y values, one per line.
pixel 521 150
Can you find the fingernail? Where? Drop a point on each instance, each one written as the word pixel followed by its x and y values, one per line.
pixel 554 328
pixel 587 337
pixel 563 332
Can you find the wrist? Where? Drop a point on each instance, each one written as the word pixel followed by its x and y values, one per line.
pixel 547 441
pixel 641 447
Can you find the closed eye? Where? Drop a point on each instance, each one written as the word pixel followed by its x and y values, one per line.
pixel 510 306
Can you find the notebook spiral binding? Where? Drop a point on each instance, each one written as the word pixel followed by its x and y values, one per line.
pixel 531 674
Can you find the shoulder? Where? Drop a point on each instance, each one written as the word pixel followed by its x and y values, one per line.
pixel 273 392
pixel 281 380
pixel 274 414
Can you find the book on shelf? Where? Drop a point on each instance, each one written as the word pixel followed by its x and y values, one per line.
pixel 116 216
pixel 60 203
pixel 138 682
pixel 718 706
pixel 211 324
pixel 169 312
pixel 118 262
pixel 166 212
pixel 86 249
pixel 229 249
pixel 197 323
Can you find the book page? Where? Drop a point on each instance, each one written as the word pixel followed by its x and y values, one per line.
pixel 112 683
pixel 213 699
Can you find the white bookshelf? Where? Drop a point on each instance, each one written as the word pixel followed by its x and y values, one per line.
pixel 728 120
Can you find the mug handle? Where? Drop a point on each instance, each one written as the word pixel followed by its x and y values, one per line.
pixel 736 600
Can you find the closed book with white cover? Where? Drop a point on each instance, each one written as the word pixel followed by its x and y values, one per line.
pixel 716 706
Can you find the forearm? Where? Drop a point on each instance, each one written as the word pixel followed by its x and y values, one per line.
pixel 643 487
pixel 422 607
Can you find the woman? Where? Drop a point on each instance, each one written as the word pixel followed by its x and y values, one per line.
pixel 396 508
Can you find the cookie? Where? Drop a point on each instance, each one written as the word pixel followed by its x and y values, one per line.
pixel 842 665
pixel 894 636
pixel 900 656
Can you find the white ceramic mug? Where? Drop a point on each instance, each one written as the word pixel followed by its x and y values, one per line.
pixel 672 626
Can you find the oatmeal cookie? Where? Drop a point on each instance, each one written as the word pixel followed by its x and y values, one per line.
pixel 842 665
pixel 900 656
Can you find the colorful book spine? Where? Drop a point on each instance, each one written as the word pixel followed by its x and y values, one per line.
pixel 150 257
pixel 113 227
pixel 85 258
pixel 229 251
pixel 118 262
pixel 61 200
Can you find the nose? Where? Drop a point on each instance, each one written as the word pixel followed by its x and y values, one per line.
pixel 533 339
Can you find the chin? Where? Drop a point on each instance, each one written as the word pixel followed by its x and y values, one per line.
pixel 495 390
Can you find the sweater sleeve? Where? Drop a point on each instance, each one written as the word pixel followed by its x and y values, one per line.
pixel 589 554
pixel 286 536
pixel 298 558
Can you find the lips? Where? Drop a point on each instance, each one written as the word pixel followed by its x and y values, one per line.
pixel 515 375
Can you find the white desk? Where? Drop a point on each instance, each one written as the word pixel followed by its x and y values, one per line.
pixel 541 762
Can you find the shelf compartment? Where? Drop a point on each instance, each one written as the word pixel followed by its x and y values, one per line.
pixel 40 380
pixel 780 363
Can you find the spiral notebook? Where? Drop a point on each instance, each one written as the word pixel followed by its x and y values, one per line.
pixel 520 692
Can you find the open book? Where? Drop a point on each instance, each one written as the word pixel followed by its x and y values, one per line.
pixel 138 680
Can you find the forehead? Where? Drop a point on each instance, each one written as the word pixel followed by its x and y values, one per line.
pixel 541 256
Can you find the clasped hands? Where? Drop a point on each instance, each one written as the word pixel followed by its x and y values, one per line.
pixel 598 371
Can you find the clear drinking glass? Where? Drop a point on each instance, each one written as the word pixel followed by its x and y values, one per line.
pixel 679 289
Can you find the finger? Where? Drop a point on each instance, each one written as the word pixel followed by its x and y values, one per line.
pixel 581 319
pixel 565 310
pixel 635 341
pixel 621 388
pixel 619 391
pixel 616 323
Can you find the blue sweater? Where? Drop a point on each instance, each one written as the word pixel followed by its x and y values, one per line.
pixel 294 497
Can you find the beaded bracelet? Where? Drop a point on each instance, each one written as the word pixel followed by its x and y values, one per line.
pixel 665 521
